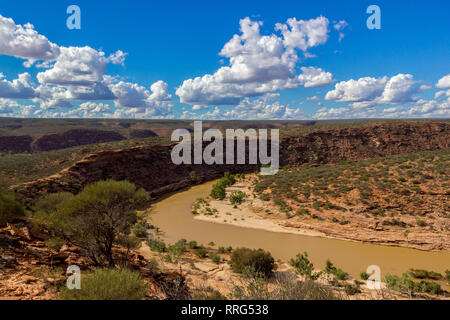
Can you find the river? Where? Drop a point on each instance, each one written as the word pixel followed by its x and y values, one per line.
pixel 172 215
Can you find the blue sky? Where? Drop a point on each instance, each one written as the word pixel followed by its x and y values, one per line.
pixel 401 70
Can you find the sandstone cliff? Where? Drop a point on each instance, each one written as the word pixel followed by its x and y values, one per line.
pixel 151 167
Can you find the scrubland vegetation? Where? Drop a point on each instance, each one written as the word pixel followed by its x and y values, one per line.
pixel 108 284
pixel 403 191
pixel 103 215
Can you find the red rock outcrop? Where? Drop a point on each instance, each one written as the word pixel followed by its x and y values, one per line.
pixel 15 144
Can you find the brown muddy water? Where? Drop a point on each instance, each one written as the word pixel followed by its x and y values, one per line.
pixel 173 216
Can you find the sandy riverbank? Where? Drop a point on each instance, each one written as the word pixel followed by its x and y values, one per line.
pixel 257 214
pixel 248 214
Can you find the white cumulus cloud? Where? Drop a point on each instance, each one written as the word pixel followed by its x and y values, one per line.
pixel 444 82
pixel 151 103
pixel 315 77
pixel 24 42
pixel 369 91
pixel 20 88
pixel 259 64
pixel 79 66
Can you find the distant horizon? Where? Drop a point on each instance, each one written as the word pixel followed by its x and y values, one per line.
pixel 234 120
pixel 225 120
pixel 239 61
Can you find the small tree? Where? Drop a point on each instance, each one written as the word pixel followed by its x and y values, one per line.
pixel 95 219
pixel 304 267
pixel 245 260
pixel 218 191
pixel 339 274
pixel 10 208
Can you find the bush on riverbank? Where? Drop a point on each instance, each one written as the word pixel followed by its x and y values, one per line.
pixel 237 197
pixel 304 267
pixel 157 245
pixel 425 274
pixel 406 285
pixel 257 261
pixel 218 189
pixel 339 274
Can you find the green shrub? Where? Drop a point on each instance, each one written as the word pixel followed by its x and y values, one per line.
pixel 140 231
pixel 237 197
pixel 401 284
pixel 351 289
pixel 424 274
pixel 214 257
pixel 10 208
pixel 304 267
pixel 257 261
pixel 108 284
pixel 157 245
pixel 338 273
pixel 284 287
pixel 406 285
pixel 153 266
pixel 364 275
pixel 221 250
pixel 129 242
pixel 201 252
pixel 302 290
pixel 175 251
pixel 140 228
pixel 192 244
pixel 218 191
pixel 429 287
pixel 228 179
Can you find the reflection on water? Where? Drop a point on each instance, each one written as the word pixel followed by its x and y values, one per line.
pixel 173 216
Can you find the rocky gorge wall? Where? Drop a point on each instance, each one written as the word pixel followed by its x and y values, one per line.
pixel 152 168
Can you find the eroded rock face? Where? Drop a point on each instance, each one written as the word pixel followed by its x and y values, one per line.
pixel 30 270
pixel 15 144
pixel 354 144
pixel 75 137
pixel 151 167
